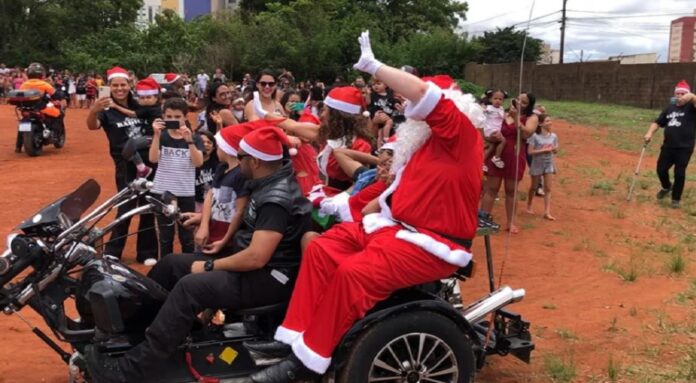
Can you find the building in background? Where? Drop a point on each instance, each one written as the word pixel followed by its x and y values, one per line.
pixel 548 55
pixel 147 13
pixel 640 58
pixel 175 5
pixel 682 40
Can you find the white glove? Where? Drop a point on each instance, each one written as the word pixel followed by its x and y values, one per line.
pixel 258 108
pixel 367 63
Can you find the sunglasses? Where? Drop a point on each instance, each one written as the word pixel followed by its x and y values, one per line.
pixel 267 84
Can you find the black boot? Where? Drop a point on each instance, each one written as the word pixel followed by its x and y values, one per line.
pixel 269 349
pixel 289 370
pixel 104 369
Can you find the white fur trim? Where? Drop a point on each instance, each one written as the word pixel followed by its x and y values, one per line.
pixel 342 105
pixel 259 154
pixel 375 221
pixel 149 92
pixel 117 75
pixel 455 257
pixel 337 206
pixel 222 144
pixel 287 336
pixel 309 357
pixel 687 90
pixel 427 103
pixel 323 156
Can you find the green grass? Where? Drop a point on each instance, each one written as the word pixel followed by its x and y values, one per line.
pixel 626 124
pixel 566 334
pixel 676 264
pixel 613 369
pixel 560 370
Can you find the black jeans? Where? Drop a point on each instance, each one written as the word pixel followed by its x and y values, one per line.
pixel 679 158
pixel 189 295
pixel 167 229
pixel 147 235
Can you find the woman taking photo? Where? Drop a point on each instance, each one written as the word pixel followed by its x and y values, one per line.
pixel 119 128
pixel 514 168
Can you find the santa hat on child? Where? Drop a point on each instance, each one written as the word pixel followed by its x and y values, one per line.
pixel 147 87
pixel 229 137
pixel 390 144
pixel 265 144
pixel 682 86
pixel 116 72
pixel 171 77
pixel 346 99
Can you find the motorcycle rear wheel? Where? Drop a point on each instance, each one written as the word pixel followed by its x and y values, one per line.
pixel 411 347
pixel 33 144
pixel 59 140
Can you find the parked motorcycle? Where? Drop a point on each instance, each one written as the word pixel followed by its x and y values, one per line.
pixel 423 333
pixel 35 129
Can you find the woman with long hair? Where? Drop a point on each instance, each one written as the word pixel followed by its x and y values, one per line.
pixel 218 101
pixel 267 90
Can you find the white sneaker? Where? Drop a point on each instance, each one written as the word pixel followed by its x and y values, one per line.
pixel 498 162
pixel 150 262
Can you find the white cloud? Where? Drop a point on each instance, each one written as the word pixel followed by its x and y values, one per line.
pixel 603 29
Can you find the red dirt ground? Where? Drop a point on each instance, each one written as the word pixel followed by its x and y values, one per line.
pixel 580 310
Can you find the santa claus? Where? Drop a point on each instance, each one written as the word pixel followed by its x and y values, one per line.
pixel 422 232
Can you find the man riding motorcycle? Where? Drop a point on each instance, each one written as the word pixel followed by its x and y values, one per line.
pixel 36 74
pixel 266 259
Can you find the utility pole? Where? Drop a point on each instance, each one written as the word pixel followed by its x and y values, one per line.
pixel 563 27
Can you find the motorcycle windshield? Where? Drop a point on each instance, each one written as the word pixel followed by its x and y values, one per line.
pixel 72 206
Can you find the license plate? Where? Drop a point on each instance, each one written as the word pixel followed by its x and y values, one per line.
pixel 25 126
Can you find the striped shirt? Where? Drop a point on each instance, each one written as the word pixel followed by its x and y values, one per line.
pixel 175 171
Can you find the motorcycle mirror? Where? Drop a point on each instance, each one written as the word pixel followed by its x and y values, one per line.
pixel 78 201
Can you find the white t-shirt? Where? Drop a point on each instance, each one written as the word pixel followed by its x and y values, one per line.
pixel 494 120
pixel 202 80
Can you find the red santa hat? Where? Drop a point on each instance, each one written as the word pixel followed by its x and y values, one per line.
pixel 390 144
pixel 147 87
pixel 229 137
pixel 682 86
pixel 265 143
pixel 347 99
pixel 116 72
pixel 171 77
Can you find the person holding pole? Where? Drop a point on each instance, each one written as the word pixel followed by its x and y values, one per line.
pixel 679 123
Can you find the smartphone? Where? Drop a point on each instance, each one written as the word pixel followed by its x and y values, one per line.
pixel 104 91
pixel 172 124
pixel 298 106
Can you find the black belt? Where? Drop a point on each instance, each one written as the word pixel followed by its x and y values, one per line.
pixel 459 241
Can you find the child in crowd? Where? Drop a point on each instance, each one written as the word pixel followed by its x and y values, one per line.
pixel 205 174
pixel 226 200
pixel 495 114
pixel 542 146
pixel 178 152
pixel 149 109
pixel 382 106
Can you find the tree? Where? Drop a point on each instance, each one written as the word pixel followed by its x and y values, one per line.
pixel 505 45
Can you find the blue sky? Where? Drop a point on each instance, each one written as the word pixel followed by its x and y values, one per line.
pixel 600 28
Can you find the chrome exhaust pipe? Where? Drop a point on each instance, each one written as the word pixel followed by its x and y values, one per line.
pixel 478 310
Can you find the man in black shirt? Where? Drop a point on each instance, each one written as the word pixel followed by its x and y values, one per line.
pixel 679 123
pixel 266 258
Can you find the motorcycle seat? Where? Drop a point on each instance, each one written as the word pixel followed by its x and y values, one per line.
pixel 277 308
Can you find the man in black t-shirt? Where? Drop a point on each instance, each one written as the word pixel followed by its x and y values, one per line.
pixel 261 271
pixel 679 123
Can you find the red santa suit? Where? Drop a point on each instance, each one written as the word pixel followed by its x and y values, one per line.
pixel 427 211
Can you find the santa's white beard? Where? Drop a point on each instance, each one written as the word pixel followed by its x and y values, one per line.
pixel 410 137
pixel 412 134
